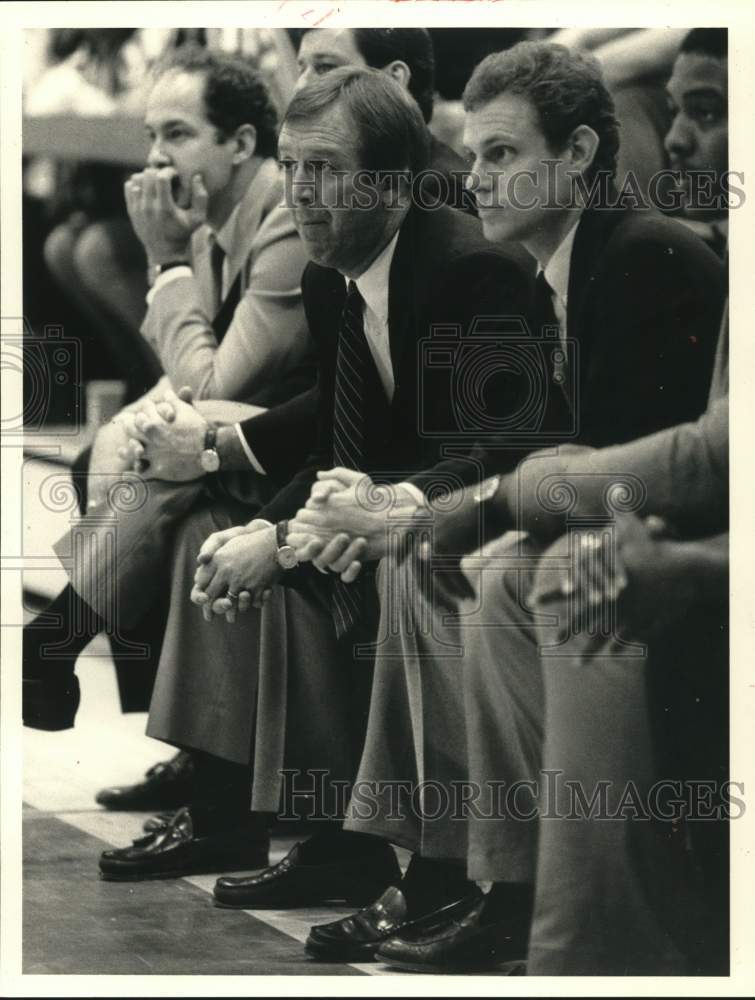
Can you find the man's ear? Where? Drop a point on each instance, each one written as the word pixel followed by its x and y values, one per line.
pixel 399 71
pixel 245 138
pixel 582 148
pixel 395 189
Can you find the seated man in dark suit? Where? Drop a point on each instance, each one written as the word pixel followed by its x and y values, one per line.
pixel 384 273
pixel 641 300
pixel 276 446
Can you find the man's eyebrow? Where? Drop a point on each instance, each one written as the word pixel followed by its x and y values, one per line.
pixel 494 140
pixel 171 123
pixel 316 152
pixel 703 90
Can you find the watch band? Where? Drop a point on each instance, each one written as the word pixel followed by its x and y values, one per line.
pixel 209 459
pixel 286 554
pixel 210 438
pixel 155 270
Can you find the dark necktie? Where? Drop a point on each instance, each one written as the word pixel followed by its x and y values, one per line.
pixel 217 256
pixel 352 363
pixel 224 308
pixel 545 314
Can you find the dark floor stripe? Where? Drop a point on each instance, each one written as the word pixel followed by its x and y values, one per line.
pixel 73 923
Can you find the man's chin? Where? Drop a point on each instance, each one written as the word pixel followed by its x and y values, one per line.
pixel 495 226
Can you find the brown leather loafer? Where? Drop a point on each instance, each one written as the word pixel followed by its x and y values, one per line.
pixel 463 945
pixel 293 883
pixel 167 785
pixel 177 851
pixel 357 938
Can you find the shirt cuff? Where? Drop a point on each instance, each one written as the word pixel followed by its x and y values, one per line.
pixel 417 495
pixel 248 451
pixel 184 271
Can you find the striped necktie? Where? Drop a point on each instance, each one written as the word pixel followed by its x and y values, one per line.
pixel 352 362
pixel 545 317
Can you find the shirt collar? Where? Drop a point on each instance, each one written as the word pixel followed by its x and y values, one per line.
pixel 373 284
pixel 557 271
pixel 224 236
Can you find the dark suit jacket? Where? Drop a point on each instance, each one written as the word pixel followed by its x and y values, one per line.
pixel 644 306
pixel 281 440
pixel 443 273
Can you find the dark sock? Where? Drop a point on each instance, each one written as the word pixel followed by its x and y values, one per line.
pixel 429 884
pixel 336 844
pixel 53 639
pixel 508 900
pixel 222 792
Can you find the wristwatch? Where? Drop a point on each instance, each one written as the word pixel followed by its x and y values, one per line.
pixel 286 554
pixel 155 270
pixel 209 458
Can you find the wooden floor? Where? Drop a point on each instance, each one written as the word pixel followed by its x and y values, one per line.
pixel 75 923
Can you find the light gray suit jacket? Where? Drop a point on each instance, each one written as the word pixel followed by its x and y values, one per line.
pixel 267 338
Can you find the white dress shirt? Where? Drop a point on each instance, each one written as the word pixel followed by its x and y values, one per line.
pixel 557 274
pixel 373 287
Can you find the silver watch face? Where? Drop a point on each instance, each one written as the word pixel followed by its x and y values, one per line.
pixel 209 460
pixel 287 557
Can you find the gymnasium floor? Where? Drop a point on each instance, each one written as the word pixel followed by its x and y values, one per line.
pixel 74 923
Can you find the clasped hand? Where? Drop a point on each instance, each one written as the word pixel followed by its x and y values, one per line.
pixel 345 522
pixel 166 437
pixel 236 570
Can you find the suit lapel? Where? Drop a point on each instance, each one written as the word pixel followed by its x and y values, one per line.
pixel 593 231
pixel 248 219
pixel 200 255
pixel 401 306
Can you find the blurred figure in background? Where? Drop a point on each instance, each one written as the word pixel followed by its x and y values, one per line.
pixel 93 253
pixel 698 139
pixel 406 55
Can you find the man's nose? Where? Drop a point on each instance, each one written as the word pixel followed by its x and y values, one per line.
pixel 679 139
pixel 157 157
pixel 306 76
pixel 299 186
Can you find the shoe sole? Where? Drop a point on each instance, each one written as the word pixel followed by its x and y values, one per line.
pixel 178 873
pixel 511 967
pixel 325 954
pixel 278 904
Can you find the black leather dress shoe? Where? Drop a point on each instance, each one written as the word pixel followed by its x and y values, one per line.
pixel 463 945
pixel 292 882
pixel 156 823
pixel 357 938
pixel 167 785
pixel 176 851
pixel 50 700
